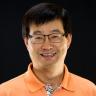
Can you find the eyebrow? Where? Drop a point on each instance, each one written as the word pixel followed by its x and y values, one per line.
pixel 40 32
pixel 55 31
pixel 37 32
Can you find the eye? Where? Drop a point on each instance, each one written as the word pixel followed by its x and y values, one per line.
pixel 38 37
pixel 53 36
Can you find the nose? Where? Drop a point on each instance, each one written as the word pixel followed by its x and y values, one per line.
pixel 47 45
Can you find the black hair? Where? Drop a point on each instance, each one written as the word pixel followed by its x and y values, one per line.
pixel 43 13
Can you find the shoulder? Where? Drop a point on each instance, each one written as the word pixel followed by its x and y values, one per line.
pixel 13 82
pixel 83 84
pixel 11 85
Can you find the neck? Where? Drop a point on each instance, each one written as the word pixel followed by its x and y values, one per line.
pixel 50 75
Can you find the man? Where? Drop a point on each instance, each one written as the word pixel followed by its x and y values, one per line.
pixel 47 35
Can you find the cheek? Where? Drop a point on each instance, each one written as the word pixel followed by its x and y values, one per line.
pixel 63 49
pixel 34 49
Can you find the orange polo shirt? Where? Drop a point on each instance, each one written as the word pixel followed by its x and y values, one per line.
pixel 28 85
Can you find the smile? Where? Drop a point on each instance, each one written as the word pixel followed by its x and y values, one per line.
pixel 48 54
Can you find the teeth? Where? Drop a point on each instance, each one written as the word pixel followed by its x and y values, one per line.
pixel 48 54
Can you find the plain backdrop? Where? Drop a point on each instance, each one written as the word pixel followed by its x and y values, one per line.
pixel 81 58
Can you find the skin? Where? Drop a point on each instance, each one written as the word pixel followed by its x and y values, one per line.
pixel 48 69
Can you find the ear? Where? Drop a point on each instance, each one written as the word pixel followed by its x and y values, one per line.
pixel 25 41
pixel 69 40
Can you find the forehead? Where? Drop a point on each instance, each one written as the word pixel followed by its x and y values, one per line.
pixel 47 27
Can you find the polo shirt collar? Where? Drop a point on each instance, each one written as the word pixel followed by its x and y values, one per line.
pixel 67 82
pixel 33 84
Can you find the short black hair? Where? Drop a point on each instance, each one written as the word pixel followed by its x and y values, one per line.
pixel 43 13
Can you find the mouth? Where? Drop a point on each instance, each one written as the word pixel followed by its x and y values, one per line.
pixel 48 55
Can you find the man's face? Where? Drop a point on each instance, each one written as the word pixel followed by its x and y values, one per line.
pixel 47 53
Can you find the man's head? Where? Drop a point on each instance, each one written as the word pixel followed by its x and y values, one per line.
pixel 47 34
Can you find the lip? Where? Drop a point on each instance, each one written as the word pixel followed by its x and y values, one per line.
pixel 48 56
